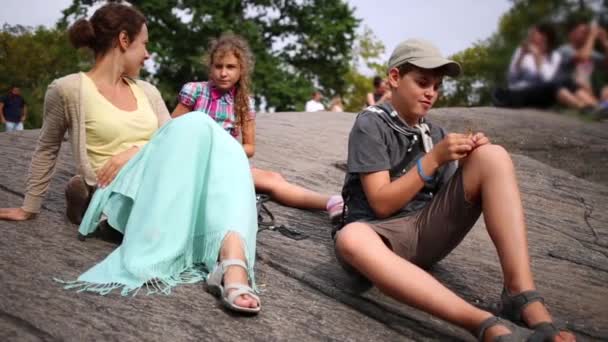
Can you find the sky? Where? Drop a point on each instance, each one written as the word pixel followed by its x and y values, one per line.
pixel 453 25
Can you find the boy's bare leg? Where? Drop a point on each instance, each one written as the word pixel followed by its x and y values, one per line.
pixel 488 173
pixel 360 246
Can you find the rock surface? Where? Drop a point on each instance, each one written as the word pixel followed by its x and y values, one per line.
pixel 561 169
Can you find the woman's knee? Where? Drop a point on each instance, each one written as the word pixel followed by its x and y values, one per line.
pixel 194 125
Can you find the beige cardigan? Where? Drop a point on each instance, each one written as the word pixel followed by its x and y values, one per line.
pixel 63 111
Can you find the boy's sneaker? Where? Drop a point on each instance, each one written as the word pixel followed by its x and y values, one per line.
pixel 335 207
pixel 77 197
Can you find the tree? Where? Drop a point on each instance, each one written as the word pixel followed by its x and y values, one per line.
pixel 299 44
pixel 485 63
pixel 367 52
pixel 31 59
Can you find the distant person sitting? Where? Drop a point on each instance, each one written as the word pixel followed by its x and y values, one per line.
pixel 579 59
pixel 13 110
pixel 533 78
pixel 604 98
pixel 314 104
pixel 336 105
pixel 380 93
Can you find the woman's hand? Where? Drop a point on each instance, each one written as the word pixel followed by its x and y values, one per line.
pixel 15 214
pixel 454 146
pixel 110 169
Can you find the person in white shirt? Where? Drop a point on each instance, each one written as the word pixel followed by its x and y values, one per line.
pixel 314 104
pixel 533 75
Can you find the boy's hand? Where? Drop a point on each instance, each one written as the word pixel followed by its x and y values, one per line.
pixel 110 169
pixel 480 139
pixel 454 146
pixel 15 214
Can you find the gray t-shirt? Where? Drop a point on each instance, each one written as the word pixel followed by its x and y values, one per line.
pixel 379 141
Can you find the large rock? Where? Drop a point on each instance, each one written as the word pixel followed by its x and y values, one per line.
pixel 305 295
pixel 564 142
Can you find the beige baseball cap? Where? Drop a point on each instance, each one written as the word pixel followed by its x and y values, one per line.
pixel 424 55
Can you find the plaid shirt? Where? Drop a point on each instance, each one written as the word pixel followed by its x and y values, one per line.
pixel 205 97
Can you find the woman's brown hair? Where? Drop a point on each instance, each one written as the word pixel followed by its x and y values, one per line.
pixel 100 33
pixel 231 43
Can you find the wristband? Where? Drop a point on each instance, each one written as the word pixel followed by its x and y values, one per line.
pixel 424 177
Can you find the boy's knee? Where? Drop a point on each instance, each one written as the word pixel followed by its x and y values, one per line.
pixel 490 153
pixel 350 238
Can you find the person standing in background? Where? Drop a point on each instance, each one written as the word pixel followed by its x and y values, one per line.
pixel 314 104
pixel 13 110
pixel 380 93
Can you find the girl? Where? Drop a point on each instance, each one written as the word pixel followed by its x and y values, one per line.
pixel 154 176
pixel 226 98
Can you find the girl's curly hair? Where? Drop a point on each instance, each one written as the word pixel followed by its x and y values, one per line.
pixel 237 45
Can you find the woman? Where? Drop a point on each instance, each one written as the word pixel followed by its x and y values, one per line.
pixel 154 176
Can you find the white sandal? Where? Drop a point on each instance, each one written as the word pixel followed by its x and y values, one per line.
pixel 215 286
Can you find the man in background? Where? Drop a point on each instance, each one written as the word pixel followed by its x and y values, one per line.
pixel 13 110
pixel 314 104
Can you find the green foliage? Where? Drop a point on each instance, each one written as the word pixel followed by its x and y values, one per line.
pixel 485 63
pixel 299 45
pixel 31 59
pixel 367 51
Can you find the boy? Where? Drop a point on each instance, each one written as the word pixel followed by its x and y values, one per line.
pixel 409 203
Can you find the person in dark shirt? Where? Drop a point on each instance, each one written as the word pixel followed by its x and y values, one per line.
pixel 412 192
pixel 13 110
pixel 380 93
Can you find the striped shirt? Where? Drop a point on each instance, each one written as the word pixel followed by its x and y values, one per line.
pixel 205 97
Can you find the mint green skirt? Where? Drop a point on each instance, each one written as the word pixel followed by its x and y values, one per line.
pixel 174 201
